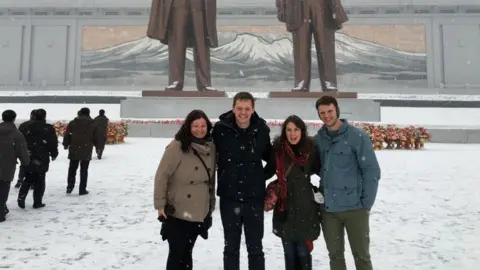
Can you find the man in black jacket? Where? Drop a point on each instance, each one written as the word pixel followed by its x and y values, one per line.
pixel 12 147
pixel 42 144
pixel 22 128
pixel 242 140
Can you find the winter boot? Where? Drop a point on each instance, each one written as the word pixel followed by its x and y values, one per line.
pixel 38 205
pixel 18 184
pixel 305 262
pixel 21 203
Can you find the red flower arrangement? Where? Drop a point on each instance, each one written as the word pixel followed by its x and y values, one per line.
pixel 383 137
pixel 116 131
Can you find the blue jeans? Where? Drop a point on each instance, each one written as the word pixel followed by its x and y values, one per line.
pixel 297 255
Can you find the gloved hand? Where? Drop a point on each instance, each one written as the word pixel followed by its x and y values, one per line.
pixel 318 197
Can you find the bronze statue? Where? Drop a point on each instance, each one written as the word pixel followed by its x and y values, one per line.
pixel 181 24
pixel 322 19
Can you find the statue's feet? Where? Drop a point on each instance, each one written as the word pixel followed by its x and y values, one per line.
pixel 175 86
pixel 300 90
pixel 300 87
pixel 207 88
pixel 329 87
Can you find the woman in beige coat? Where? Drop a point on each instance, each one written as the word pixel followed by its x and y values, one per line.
pixel 184 192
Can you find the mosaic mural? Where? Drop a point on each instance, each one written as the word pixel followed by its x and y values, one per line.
pixel 258 56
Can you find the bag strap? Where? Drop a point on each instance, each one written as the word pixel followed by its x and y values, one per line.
pixel 288 170
pixel 203 163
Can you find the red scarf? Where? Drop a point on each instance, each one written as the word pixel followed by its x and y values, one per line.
pixel 301 160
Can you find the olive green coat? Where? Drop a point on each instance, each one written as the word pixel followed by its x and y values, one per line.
pixel 301 221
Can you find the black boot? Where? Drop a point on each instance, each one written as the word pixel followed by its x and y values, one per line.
pixel 18 184
pixel 6 210
pixel 305 262
pixel 38 205
pixel 21 203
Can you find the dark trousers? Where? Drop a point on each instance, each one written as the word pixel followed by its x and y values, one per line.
pixel 188 22
pixel 297 256
pixel 21 175
pixel 4 190
pixel 72 174
pixel 356 223
pixel 324 37
pixel 37 179
pixel 181 238
pixel 250 216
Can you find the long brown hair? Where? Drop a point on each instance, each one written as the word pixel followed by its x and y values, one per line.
pixel 305 144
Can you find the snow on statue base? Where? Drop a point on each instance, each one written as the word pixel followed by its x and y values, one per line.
pixel 304 94
pixel 182 94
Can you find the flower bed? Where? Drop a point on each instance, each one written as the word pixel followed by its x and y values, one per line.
pixel 382 136
pixel 116 131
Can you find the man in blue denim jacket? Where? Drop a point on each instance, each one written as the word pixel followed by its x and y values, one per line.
pixel 349 181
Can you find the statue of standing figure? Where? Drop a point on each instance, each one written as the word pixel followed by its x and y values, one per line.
pixel 183 24
pixel 322 19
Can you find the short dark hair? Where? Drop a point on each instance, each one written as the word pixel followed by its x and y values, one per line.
pixel 84 111
pixel 9 116
pixel 184 134
pixel 101 112
pixel 243 96
pixel 32 113
pixel 40 115
pixel 328 100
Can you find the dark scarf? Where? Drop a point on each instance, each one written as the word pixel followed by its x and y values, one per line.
pixel 300 159
pixel 203 141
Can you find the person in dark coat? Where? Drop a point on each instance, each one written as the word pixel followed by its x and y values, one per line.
pixel 79 139
pixel 242 140
pixel 22 128
pixel 42 145
pixel 296 218
pixel 12 147
pixel 101 122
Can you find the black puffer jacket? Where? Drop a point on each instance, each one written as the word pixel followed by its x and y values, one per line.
pixel 240 153
pixel 42 144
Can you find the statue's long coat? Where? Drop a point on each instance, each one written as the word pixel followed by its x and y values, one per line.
pixel 159 21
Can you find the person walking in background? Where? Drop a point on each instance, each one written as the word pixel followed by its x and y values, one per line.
pixel 349 183
pixel 42 145
pixel 296 218
pixel 242 140
pixel 22 128
pixel 79 139
pixel 101 122
pixel 12 147
pixel 184 193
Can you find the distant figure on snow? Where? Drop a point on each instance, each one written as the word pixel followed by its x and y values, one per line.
pixel 12 147
pixel 79 139
pixel 184 192
pixel 22 128
pixel 101 122
pixel 42 145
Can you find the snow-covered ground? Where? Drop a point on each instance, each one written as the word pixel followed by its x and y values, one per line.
pixel 424 217
pixel 391 115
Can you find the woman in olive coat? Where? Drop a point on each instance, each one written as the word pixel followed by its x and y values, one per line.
pixel 296 218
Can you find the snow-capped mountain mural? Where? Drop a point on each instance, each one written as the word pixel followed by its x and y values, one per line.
pixel 244 56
